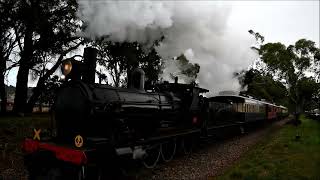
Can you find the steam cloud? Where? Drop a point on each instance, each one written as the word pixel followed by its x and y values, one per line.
pixel 197 29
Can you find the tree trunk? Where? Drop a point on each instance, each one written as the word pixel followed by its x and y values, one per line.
pixel 3 92
pixel 21 89
pixel 36 94
pixel 23 73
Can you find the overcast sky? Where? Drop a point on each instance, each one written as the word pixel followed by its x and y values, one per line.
pixel 277 21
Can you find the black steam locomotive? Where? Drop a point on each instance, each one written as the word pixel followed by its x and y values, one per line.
pixel 95 123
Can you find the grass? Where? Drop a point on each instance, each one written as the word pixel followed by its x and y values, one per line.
pixel 27 121
pixel 281 156
pixel 19 127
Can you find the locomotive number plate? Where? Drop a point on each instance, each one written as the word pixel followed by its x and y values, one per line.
pixel 78 141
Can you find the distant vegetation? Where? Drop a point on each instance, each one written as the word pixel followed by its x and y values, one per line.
pixel 281 155
pixel 286 75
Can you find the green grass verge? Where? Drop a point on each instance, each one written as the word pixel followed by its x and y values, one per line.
pixel 33 120
pixel 281 156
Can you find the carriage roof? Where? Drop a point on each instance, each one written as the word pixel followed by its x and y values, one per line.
pixel 240 99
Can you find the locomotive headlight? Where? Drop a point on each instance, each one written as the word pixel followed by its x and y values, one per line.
pixel 66 67
pixel 63 77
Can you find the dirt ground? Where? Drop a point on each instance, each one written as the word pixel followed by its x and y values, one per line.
pixel 11 162
pixel 13 130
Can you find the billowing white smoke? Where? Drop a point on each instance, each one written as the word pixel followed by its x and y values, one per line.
pixel 197 29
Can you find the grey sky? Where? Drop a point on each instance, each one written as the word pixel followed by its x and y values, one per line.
pixel 278 21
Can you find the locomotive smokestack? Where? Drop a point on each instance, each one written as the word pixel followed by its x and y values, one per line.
pixel 137 79
pixel 90 59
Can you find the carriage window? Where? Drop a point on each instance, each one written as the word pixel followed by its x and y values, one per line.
pixel 240 107
pixel 234 107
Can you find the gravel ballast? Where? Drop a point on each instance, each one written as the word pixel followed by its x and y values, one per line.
pixel 212 159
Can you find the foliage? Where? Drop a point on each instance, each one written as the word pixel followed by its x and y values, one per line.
pixel 43 29
pixel 309 91
pixel 291 65
pixel 188 69
pixel 120 58
pixel 281 156
pixel 51 86
pixel 263 87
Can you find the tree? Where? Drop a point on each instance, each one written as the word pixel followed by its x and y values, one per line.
pixel 263 86
pixel 184 69
pixel 308 93
pixel 290 64
pixel 45 74
pixel 121 58
pixel 151 64
pixel 51 86
pixel 43 26
pixel 187 68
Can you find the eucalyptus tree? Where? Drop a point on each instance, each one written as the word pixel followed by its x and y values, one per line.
pixel 292 64
pixel 263 86
pixel 296 66
pixel 188 69
pixel 43 26
pixel 120 58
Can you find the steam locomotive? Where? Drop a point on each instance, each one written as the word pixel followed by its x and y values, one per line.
pixel 94 124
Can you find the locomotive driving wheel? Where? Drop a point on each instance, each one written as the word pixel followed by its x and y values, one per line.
pixel 168 150
pixel 152 156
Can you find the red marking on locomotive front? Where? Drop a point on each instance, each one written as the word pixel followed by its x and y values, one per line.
pixel 65 154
